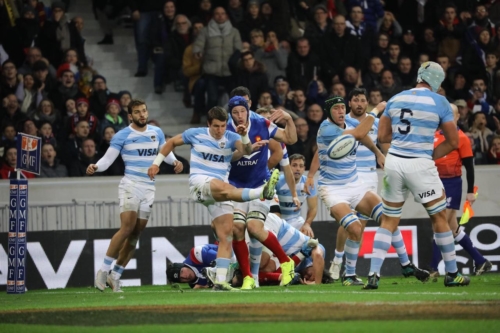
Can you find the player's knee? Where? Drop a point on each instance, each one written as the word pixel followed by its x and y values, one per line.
pixel 376 213
pixel 255 222
pixel 436 208
pixel 239 230
pixel 392 211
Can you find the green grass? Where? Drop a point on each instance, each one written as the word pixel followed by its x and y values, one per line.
pixel 329 308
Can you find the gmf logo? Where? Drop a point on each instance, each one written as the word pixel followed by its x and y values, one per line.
pixel 29 144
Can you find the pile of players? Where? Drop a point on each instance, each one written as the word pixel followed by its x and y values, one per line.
pixel 230 163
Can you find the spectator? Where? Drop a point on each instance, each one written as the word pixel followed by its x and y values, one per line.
pixel 374 99
pixel 388 25
pixel 45 132
pixel 143 13
pixel 191 68
pixel 34 54
pixel 43 81
pixel 100 96
pixel 406 74
pixel 298 103
pixel 445 63
pixel 7 169
pixel 381 50
pixel 204 14
pixel 303 65
pixel 306 144
pixel 494 154
pixel 481 21
pixel 321 26
pixel 251 74
pixel 29 127
pixel 351 79
pixel 281 92
pixel 27 94
pixel 423 57
pixel 459 89
pixel 482 136
pixel 51 167
pixel 12 113
pixel 280 17
pixel 235 12
pixel 66 89
pixel 252 20
pixel 338 89
pixel 57 35
pixel 336 7
pixel 474 55
pixel 372 77
pixel 9 136
pixel 372 10
pixel 88 155
pixel 9 80
pixel 408 46
pixel 70 108
pixel 314 119
pixel 429 44
pixel 388 87
pixel 46 112
pixel 270 53
pixel 83 114
pixel 361 29
pixel 394 52
pixel 167 169
pixel 316 93
pixel 117 168
pixel 265 100
pixel 492 74
pixel 124 97
pixel 74 144
pixel 450 32
pixel 465 115
pixel 112 117
pixel 216 43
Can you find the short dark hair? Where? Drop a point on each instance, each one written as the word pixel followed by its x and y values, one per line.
pixel 297 157
pixel 216 113
pixel 244 54
pixel 135 102
pixel 240 91
pixel 264 109
pixel 375 89
pixel 356 92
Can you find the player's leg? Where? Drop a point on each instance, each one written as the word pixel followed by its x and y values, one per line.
pixel 222 221
pixel 221 191
pixel 336 264
pixel 240 247
pixel 257 213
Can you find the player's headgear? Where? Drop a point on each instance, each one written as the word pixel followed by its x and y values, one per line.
pixel 329 103
pixel 431 73
pixel 174 272
pixel 237 101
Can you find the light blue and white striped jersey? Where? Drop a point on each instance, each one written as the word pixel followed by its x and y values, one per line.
pixel 287 206
pixel 334 172
pixel 415 115
pixel 210 157
pixel 365 158
pixel 138 151
pixel 290 239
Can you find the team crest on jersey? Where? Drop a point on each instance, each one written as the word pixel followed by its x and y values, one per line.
pixel 222 144
pixel 153 138
pixel 258 138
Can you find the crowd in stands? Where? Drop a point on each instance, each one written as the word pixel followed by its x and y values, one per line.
pixel 290 54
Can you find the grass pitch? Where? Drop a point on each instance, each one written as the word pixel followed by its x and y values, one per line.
pixel 399 305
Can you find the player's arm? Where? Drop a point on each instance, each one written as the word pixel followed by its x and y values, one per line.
pixel 384 147
pixel 104 162
pixel 276 154
pixel 465 152
pixel 237 154
pixel 318 264
pixel 287 135
pixel 312 209
pixel 312 171
pixel 165 150
pixel 290 181
pixel 366 124
pixel 368 143
pixel 384 132
pixel 450 142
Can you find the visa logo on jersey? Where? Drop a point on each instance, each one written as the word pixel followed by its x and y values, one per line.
pixel 29 144
pixel 148 152
pixel 213 157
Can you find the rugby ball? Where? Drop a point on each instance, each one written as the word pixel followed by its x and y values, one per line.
pixel 341 146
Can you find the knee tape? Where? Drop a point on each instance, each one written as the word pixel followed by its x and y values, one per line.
pixel 362 216
pixel 392 211
pixel 239 217
pixel 256 215
pixel 437 207
pixel 377 213
pixel 348 220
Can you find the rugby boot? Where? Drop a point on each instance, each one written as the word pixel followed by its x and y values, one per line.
pixel 100 280
pixel 114 284
pixel 334 270
pixel 457 281
pixel 287 272
pixel 268 190
pixel 248 283
pixel 412 270
pixel 223 286
pixel 485 267
pixel 372 282
pixel 351 280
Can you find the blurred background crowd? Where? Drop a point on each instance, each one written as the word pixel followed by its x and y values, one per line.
pixel 290 54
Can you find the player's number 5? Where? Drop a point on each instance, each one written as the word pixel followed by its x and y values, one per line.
pixel 405 121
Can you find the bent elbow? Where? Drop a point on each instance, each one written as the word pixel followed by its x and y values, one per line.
pixel 454 144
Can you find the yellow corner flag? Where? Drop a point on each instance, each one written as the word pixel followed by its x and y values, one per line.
pixel 468 211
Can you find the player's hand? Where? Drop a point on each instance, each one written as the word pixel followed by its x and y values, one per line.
pixel 259 144
pixel 307 230
pixel 381 160
pixel 380 107
pixel 296 201
pixel 153 170
pixel 278 115
pixel 178 166
pixel 471 197
pixel 309 185
pixel 91 169
pixel 305 281
pixel 241 130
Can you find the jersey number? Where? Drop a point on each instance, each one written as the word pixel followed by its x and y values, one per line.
pixel 405 121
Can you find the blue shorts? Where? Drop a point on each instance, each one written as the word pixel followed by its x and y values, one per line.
pixel 453 189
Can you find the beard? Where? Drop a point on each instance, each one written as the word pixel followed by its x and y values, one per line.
pixel 139 124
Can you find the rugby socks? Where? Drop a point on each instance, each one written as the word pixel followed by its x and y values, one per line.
pixel 221 267
pixel 436 256
pixel 106 265
pixel 255 255
pixel 272 244
pixel 446 244
pixel 339 256
pixel 381 244
pixel 241 251
pixel 265 278
pixel 249 194
pixel 464 240
pixel 351 256
pixel 399 246
pixel 117 272
pixel 297 258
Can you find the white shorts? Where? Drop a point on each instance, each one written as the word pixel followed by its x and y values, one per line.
pixel 370 179
pixel 136 197
pixel 261 207
pixel 351 194
pixel 296 222
pixel 200 191
pixel 416 175
pixel 272 258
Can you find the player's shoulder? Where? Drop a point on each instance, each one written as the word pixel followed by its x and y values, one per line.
pixel 232 136
pixel 123 133
pixel 155 129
